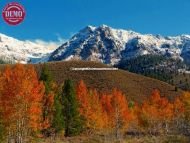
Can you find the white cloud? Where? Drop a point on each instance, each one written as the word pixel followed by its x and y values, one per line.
pixel 51 45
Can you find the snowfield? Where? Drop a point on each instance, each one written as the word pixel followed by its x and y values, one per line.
pixel 23 51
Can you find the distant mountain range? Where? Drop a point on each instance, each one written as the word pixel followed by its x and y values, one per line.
pixel 111 46
pixel 15 50
pixel 103 44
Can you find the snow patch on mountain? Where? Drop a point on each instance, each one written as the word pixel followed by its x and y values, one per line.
pixel 109 45
pixel 25 51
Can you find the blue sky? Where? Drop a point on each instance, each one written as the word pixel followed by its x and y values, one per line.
pixel 52 19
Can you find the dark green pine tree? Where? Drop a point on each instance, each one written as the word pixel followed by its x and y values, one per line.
pixel 47 78
pixel 73 122
pixel 58 120
pixel 54 113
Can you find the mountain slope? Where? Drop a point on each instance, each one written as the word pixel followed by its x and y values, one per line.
pixel 21 51
pixel 110 46
pixel 136 87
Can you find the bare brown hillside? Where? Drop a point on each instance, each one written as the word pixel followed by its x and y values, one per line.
pixel 136 87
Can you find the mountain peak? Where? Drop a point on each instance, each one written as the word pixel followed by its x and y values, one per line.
pixel 105 26
pixel 91 27
pixel 110 46
pixel 88 28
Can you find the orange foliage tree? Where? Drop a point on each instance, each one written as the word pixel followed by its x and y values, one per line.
pixel 90 107
pixel 118 113
pixel 112 112
pixel 21 97
pixel 105 111
pixel 186 123
pixel 178 111
pixel 156 112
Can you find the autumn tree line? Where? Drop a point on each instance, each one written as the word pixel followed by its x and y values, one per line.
pixel 35 106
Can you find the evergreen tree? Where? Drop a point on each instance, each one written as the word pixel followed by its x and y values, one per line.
pixel 50 91
pixel 73 122
pixel 58 120
pixel 47 78
pixel 2 62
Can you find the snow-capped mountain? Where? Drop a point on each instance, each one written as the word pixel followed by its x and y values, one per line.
pixel 109 46
pixel 22 51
